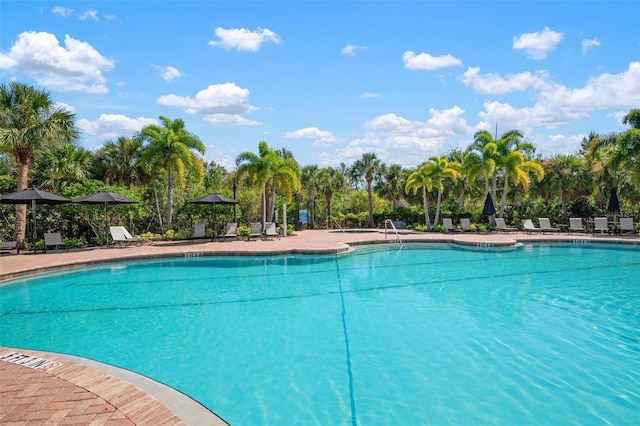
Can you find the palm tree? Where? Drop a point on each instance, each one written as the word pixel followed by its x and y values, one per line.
pixel 421 179
pixel 370 168
pixel 391 186
pixel 120 158
pixel 563 175
pixel 63 164
pixel 170 147
pixel 441 171
pixel 518 168
pixel 29 122
pixel 310 178
pixel 330 180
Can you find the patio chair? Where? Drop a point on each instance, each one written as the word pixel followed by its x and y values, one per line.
pixel 54 239
pixel 627 226
pixel 545 225
pixel 575 225
pixel 447 224
pixel 232 231
pixel 199 230
pixel 120 235
pixel 601 225
pixel 256 230
pixel 270 230
pixel 465 224
pixel 10 245
pixel 502 226
pixel 528 226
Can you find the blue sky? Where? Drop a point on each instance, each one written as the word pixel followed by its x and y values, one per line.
pixel 332 80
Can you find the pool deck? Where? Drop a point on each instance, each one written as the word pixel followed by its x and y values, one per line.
pixel 82 391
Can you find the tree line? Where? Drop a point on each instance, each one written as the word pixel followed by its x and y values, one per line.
pixel 161 167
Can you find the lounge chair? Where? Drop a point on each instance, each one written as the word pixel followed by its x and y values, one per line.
pixel 575 224
pixel 270 230
pixel 502 226
pixel 120 235
pixel 528 226
pixel 199 230
pixel 10 245
pixel 232 231
pixel 256 229
pixel 627 226
pixel 465 224
pixel 54 239
pixel 601 225
pixel 447 224
pixel 545 225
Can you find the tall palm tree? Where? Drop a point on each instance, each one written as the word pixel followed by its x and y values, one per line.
pixel 421 179
pixel 121 160
pixel 370 168
pixel 169 147
pixel 310 178
pixel 330 180
pixel 63 164
pixel 518 169
pixel 391 186
pixel 563 174
pixel 29 122
pixel 441 171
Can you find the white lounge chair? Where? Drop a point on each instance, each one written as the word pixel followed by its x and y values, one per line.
pixel 575 224
pixel 545 225
pixel 54 239
pixel 270 230
pixel 601 225
pixel 199 231
pixel 447 224
pixel 232 231
pixel 465 224
pixel 120 235
pixel 528 226
pixel 256 229
pixel 502 226
pixel 627 226
pixel 10 245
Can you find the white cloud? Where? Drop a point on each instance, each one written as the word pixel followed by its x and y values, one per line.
pixel 370 95
pixel 589 44
pixel 110 126
pixel 425 61
pixel 75 67
pixel 169 73
pixel 352 49
pixel 538 44
pixel 219 103
pixel 494 84
pixel 89 14
pixel 320 137
pixel 65 12
pixel 244 39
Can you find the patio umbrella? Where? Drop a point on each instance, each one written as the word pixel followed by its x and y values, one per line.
pixel 214 199
pixel 489 208
pixel 33 196
pixel 105 197
pixel 614 204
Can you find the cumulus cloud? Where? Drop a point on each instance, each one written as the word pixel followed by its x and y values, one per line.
pixel 425 61
pixel 110 126
pixel 352 49
pixel 169 73
pixel 76 66
pixel 537 44
pixel 219 104
pixel 587 45
pixel 244 39
pixel 495 84
pixel 320 137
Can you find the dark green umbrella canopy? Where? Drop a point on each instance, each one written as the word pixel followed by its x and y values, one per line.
pixel 33 196
pixel 614 203
pixel 489 208
pixel 214 199
pixel 105 197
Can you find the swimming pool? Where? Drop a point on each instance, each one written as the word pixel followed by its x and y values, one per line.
pixel 423 334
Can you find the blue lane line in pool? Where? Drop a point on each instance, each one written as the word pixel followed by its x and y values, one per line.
pixel 354 420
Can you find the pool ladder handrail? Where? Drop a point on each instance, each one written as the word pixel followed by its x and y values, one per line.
pixel 394 230
pixel 334 221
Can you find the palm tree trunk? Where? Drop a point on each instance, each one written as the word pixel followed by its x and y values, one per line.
pixel 503 200
pixel 425 201
pixel 494 183
pixel 437 218
pixel 155 196
pixel 312 211
pixel 21 209
pixel 170 198
pixel 370 204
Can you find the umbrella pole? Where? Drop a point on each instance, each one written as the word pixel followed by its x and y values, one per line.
pixel 106 226
pixel 33 212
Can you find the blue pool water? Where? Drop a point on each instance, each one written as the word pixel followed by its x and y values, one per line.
pixel 425 334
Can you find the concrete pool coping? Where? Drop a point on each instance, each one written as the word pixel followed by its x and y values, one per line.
pixel 304 242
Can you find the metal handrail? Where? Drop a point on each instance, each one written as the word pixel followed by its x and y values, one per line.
pixel 334 221
pixel 394 230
